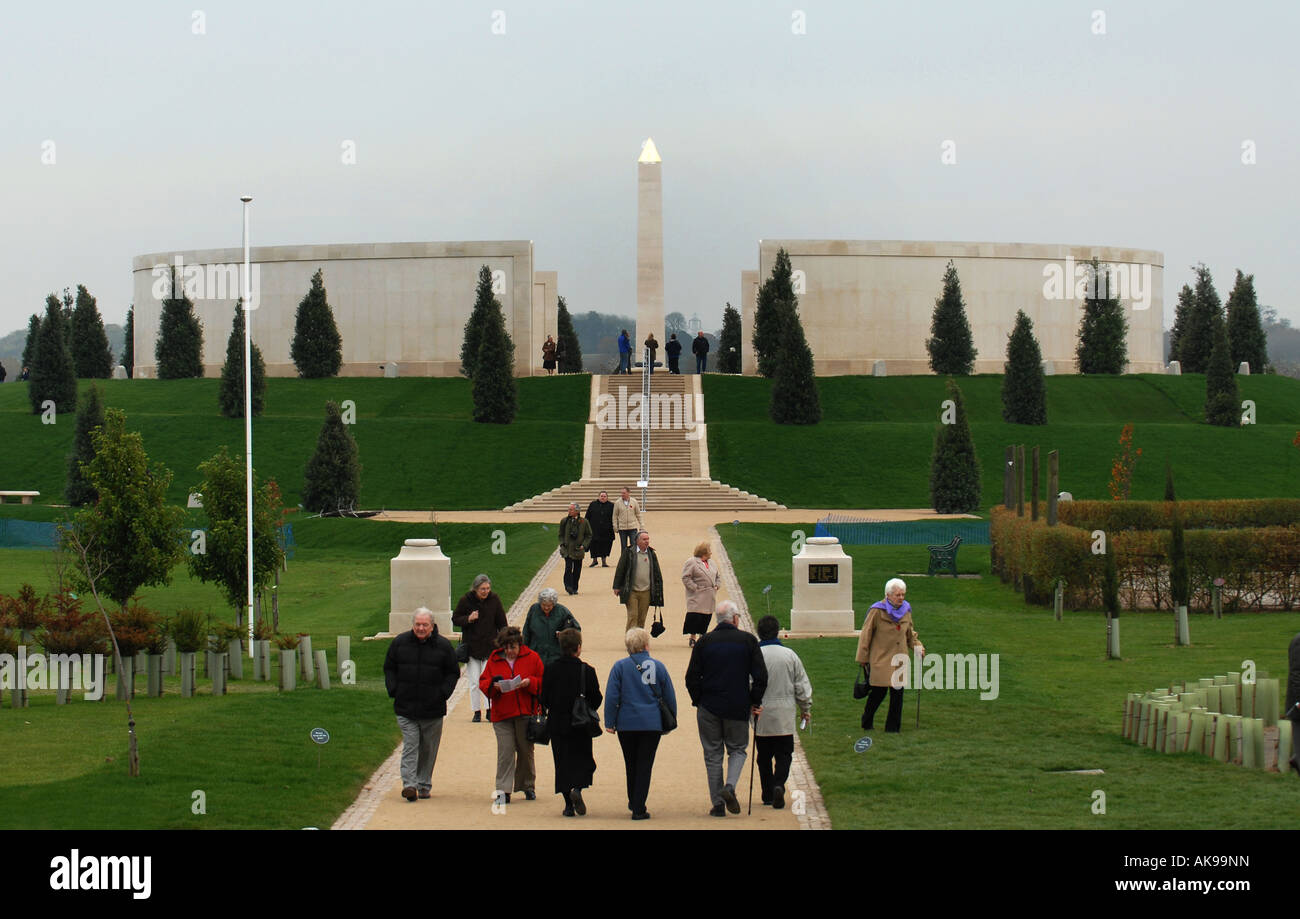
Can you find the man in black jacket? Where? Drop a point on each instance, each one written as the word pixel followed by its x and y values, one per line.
pixel 420 671
pixel 726 679
pixel 700 348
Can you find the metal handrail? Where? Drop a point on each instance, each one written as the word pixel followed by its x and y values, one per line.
pixel 645 425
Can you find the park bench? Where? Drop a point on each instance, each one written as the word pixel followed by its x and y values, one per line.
pixel 944 558
pixel 25 495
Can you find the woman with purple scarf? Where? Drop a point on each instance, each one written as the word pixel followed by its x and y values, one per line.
pixel 887 632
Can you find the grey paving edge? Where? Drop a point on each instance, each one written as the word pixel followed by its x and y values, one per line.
pixel 358 814
pixel 814 816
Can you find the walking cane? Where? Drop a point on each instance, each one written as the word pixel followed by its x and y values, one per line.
pixel 752 756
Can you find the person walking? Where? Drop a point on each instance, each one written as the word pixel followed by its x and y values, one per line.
pixel 512 680
pixel 887 632
pixel 726 680
pixel 700 348
pixel 632 693
pixel 548 356
pixel 600 514
pixel 3 373
pixel 638 582
pixel 574 537
pixel 1292 700
pixel 561 355
pixel 627 520
pixel 653 347
pixel 788 688
pixel 545 620
pixel 673 349
pixel 701 580
pixel 566 679
pixel 480 617
pixel 420 673
pixel 624 353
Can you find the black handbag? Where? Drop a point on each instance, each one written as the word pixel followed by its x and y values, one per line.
pixel 862 685
pixel 583 719
pixel 537 731
pixel 657 627
pixel 462 652
pixel 667 720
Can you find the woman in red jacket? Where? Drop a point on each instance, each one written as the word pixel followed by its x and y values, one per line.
pixel 518 667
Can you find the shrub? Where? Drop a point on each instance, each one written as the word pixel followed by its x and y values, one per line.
pixel 190 631
pixel 317 347
pixel 954 467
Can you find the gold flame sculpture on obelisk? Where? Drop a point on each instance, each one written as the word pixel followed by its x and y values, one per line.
pixel 649 250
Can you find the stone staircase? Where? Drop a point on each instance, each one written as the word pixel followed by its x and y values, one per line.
pixel 679 465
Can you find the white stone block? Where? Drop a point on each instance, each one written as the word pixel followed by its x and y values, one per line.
pixel 1175 368
pixel 823 587
pixel 1244 368
pixel 420 575
pixel 878 369
pixel 119 372
pixel 390 370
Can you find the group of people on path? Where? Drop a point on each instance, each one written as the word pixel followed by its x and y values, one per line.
pixel 673 350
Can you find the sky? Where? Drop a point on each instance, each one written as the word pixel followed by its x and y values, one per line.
pixel 134 128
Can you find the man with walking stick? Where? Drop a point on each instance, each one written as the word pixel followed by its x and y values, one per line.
pixel 726 680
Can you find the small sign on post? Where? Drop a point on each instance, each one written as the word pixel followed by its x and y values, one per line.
pixel 320 737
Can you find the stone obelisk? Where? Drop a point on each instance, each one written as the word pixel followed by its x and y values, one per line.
pixel 649 250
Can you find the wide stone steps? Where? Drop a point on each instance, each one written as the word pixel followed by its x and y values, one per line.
pixel 664 494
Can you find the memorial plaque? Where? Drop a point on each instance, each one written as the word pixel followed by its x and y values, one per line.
pixel 823 574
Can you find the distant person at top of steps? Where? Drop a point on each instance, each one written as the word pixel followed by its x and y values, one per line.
pixel 627 520
pixel 624 353
pixel 700 348
pixel 653 347
pixel 674 350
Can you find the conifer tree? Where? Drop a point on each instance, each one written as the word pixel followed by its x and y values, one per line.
pixel 483 304
pixel 770 336
pixel 1222 403
pixel 90 414
pixel 495 396
pixel 954 467
pixel 1102 346
pixel 179 351
pixel 1197 340
pixel 91 356
pixel 795 399
pixel 951 348
pixel 1024 387
pixel 1245 330
pixel 230 395
pixel 729 341
pixel 128 347
pixel 52 375
pixel 317 348
pixel 33 336
pixel 567 339
pixel 1182 316
pixel 333 475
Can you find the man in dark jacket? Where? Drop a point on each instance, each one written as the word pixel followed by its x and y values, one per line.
pixel 726 680
pixel 638 581
pixel 700 348
pixel 673 349
pixel 575 537
pixel 420 671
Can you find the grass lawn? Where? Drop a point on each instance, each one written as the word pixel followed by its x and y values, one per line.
pixel 419 447
pixel 873 445
pixel 249 751
pixel 988 764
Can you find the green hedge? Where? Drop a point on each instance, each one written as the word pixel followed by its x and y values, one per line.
pixel 1197 515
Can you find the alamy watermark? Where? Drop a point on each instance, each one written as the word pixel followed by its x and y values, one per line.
pixel 206 282
pixel 660 412
pixel 1072 280
pixel 82 672
pixel 947 671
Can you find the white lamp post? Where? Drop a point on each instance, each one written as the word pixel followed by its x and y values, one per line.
pixel 248 422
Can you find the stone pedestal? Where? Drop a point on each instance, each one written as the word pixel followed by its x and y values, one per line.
pixel 878 369
pixel 391 371
pixel 119 372
pixel 823 587
pixel 420 575
pixel 1175 368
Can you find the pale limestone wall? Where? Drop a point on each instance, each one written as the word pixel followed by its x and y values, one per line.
pixel 546 305
pixel 748 306
pixel 400 302
pixel 869 300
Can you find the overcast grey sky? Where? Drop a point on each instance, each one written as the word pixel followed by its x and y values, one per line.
pixel 523 119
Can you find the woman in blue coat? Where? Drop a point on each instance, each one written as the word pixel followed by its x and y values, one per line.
pixel 632 711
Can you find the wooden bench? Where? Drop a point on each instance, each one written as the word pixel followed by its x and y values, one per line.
pixel 25 495
pixel 943 559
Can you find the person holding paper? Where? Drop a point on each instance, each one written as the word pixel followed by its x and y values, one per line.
pixel 512 681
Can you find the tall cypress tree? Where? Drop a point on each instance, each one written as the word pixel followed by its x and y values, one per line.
pixel 230 395
pixel 1245 330
pixel 33 336
pixel 483 304
pixel 179 351
pixel 568 338
pixel 1182 315
pixel 89 344
pixel 495 396
pixel 128 347
pixel 795 399
pixel 770 335
pixel 333 476
pixel 1198 337
pixel 951 348
pixel 954 467
pixel 317 348
pixel 729 341
pixel 52 373
pixel 1024 388
pixel 1102 346
pixel 1222 403
pixel 78 491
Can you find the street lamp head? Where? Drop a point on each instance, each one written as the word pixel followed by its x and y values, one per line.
pixel 246 198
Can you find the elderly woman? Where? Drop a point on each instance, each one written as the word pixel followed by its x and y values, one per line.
pixel 518 667
pixel 546 619
pixel 888 631
pixel 548 355
pixel 480 617
pixel 632 693
pixel 565 680
pixel 701 580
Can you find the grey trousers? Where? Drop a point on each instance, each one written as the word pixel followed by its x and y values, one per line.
pixel 516 770
pixel 715 735
pixel 420 739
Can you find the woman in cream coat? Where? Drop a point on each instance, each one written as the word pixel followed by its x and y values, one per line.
pixel 701 579
pixel 888 631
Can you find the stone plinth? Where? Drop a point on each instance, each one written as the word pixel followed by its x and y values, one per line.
pixel 823 587
pixel 119 373
pixel 420 575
